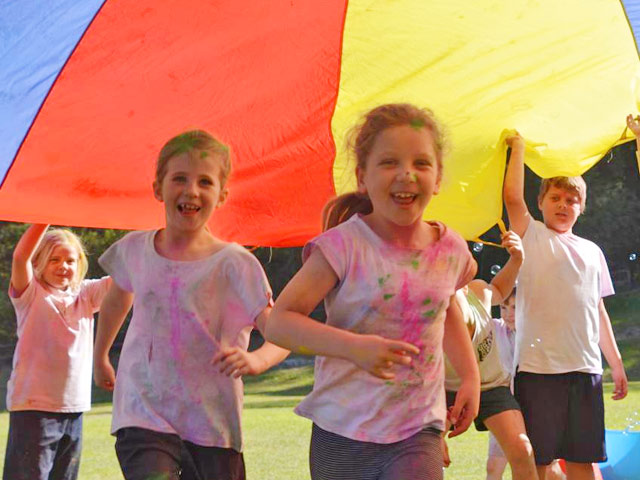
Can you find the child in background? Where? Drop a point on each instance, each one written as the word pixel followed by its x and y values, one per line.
pixel 561 321
pixel 388 279
pixel 50 383
pixel 499 412
pixel 178 393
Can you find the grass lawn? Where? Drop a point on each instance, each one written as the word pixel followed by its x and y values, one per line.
pixel 277 441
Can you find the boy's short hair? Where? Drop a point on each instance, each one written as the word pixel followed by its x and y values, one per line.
pixel 575 185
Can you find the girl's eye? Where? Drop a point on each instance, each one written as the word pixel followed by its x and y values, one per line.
pixel 423 162
pixel 206 182
pixel 179 178
pixel 387 161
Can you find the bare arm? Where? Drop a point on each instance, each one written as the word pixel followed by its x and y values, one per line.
pixel 612 354
pixel 235 361
pixel 504 281
pixel 634 125
pixel 113 311
pixel 514 187
pixel 21 268
pixel 457 346
pixel 290 326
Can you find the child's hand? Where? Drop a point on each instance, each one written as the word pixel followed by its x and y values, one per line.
pixel 512 242
pixel 445 452
pixel 620 382
pixel 515 141
pixel 465 408
pixel 104 375
pixel 235 362
pixel 377 355
pixel 634 124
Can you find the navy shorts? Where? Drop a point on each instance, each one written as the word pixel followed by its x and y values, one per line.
pixel 145 454
pixel 564 415
pixel 43 445
pixel 492 402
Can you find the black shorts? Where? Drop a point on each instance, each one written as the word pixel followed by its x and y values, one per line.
pixel 492 402
pixel 564 415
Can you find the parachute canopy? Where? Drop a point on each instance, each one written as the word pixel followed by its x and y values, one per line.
pixel 91 90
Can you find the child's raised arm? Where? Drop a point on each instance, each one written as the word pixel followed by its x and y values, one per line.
pixel 634 125
pixel 113 311
pixel 235 361
pixel 612 354
pixel 514 187
pixel 21 268
pixel 504 281
pixel 457 346
pixel 290 326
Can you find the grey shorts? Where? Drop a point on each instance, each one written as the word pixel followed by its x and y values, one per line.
pixel 334 457
pixel 492 402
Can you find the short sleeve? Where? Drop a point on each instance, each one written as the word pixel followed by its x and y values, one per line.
pixel 468 272
pixel 606 285
pixel 26 297
pixel 333 247
pixel 94 291
pixel 250 283
pixel 114 262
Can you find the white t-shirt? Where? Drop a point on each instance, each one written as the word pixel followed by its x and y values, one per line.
pixel 53 358
pixel 506 340
pixel 485 345
pixel 183 313
pixel 399 294
pixel 560 285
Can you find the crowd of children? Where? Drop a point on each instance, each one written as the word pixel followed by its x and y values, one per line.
pixel 405 322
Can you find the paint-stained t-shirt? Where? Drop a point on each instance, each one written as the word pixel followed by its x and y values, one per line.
pixel 54 354
pixel 184 312
pixel 397 293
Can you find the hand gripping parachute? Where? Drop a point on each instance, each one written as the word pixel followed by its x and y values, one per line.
pixel 90 91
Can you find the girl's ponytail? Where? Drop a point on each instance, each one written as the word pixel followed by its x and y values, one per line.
pixel 344 207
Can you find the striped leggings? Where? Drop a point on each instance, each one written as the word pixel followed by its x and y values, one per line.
pixel 334 457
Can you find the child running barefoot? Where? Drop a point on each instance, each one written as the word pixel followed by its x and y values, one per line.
pixel 50 383
pixel 178 392
pixel 499 412
pixel 561 321
pixel 387 278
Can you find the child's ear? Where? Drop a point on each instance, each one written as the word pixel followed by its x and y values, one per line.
pixel 362 188
pixel 157 191
pixel 223 197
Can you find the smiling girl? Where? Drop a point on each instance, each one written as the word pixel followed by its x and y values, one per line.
pixel 388 279
pixel 50 383
pixel 178 393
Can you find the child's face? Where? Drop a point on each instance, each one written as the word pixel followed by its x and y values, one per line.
pixel 560 209
pixel 61 267
pixel 508 312
pixel 190 190
pixel 401 174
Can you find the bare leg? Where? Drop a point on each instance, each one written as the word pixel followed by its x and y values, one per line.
pixel 508 428
pixel 554 472
pixel 542 471
pixel 580 471
pixel 495 467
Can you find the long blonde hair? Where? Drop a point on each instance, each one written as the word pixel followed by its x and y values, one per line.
pixel 52 239
pixel 361 140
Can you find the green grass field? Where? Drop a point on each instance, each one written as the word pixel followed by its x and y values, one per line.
pixel 277 441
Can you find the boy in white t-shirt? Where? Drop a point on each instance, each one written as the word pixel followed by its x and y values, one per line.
pixel 561 324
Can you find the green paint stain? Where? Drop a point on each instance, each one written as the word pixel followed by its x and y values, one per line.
pixel 426 301
pixel 389 383
pixel 388 296
pixel 204 154
pixel 304 350
pixel 416 123
pixel 429 314
pixel 415 264
pixel 383 280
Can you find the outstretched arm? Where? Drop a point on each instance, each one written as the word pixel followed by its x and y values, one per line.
pixel 235 361
pixel 514 187
pixel 504 281
pixel 457 346
pixel 113 311
pixel 290 326
pixel 612 354
pixel 21 268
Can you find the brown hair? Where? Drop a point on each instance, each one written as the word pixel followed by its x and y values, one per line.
pixel 361 140
pixel 574 185
pixel 194 142
pixel 52 239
